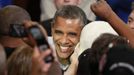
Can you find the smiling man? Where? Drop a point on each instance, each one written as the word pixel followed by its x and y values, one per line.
pixel 66 28
pixel 59 4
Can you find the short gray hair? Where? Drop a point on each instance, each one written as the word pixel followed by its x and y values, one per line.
pixel 71 12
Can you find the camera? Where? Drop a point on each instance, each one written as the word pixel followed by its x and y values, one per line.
pixel 40 40
pixel 35 35
pixel 17 30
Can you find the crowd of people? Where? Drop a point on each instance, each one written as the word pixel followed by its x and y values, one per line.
pixel 78 46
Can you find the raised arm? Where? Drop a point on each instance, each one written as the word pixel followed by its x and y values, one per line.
pixel 103 10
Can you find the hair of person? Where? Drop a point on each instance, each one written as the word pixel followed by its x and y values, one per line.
pixel 12 14
pixel 87 64
pixel 122 62
pixel 20 62
pixel 71 12
pixel 2 61
pixel 103 42
pixel 101 45
pixel 132 7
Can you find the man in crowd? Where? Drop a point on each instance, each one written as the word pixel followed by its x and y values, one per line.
pixel 58 4
pixel 9 16
pixel 66 28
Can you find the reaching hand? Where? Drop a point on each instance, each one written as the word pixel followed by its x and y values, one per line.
pixel 74 64
pixel 74 56
pixel 39 67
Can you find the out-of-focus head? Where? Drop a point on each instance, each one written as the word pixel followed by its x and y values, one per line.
pixel 119 61
pixel 60 3
pixel 20 62
pixel 91 31
pixel 66 28
pixel 131 20
pixel 101 46
pixel 104 41
pixel 12 14
pixel 2 61
pixel 88 64
pixel 93 55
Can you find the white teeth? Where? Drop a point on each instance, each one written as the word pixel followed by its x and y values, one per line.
pixel 63 47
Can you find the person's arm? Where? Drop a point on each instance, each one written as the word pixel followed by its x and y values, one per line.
pixel 103 10
pixel 74 64
pixel 39 66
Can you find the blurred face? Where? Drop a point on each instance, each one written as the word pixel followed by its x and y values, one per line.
pixel 131 20
pixel 60 3
pixel 66 33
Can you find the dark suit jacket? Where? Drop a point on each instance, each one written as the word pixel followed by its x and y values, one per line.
pixel 47 25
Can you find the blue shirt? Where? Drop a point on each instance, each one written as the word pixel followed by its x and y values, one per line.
pixel 5 2
pixel 121 7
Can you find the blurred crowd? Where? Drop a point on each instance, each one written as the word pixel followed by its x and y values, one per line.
pixel 66 37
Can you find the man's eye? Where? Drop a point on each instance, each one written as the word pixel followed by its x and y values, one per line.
pixel 58 32
pixel 129 20
pixel 72 34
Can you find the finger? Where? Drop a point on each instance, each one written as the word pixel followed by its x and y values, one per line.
pixel 36 52
pixel 101 2
pixel 46 67
pixel 28 24
pixel 45 53
pixel 93 6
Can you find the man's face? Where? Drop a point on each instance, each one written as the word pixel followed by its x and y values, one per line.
pixel 60 3
pixel 66 34
pixel 131 20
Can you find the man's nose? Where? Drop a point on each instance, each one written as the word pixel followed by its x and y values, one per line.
pixel 64 40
